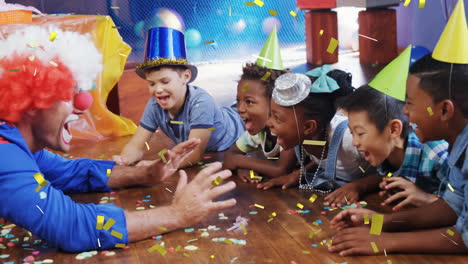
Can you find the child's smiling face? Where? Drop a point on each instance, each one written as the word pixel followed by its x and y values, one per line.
pixel 422 111
pixel 253 105
pixel 374 144
pixel 282 124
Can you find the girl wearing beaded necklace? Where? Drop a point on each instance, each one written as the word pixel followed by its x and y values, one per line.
pixel 303 117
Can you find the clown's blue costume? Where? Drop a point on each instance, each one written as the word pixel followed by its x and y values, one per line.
pixel 48 212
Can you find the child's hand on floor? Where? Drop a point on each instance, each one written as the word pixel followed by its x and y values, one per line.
pixel 409 192
pixel 350 218
pixel 346 194
pixel 285 181
pixel 244 174
pixel 357 241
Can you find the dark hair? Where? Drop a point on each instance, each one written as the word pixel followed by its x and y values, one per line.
pixel 380 108
pixel 322 106
pixel 435 76
pixel 178 68
pixel 252 71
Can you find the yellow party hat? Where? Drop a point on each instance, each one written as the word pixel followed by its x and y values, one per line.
pixel 453 43
pixel 391 80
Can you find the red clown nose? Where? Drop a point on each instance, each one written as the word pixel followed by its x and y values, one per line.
pixel 83 101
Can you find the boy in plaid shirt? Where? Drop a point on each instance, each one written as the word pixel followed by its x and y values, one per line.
pixel 384 136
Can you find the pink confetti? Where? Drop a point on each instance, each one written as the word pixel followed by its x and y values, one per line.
pixel 29 259
pixel 35 253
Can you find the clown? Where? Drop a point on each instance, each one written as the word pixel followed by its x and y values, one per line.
pixel 44 76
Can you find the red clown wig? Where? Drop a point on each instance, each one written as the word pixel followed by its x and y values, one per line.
pixel 35 72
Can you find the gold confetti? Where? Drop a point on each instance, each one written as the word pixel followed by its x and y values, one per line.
pixel 161 155
pixel 186 255
pixel 332 45
pixel 162 228
pixel 305 251
pixel 273 12
pixel 108 172
pixel 228 241
pixel 366 219
pixel 147 146
pixel 363 171
pixel 314 142
pixel 321 32
pixel 217 181
pixel 40 181
pixel 179 247
pixel 450 187
pixel 52 36
pixel 407 2
pixel 117 234
pixel 376 225
pixel 292 13
pixel 211 128
pixel 15 70
pixel 422 4
pixel 389 261
pixel 374 247
pixel 266 76
pixel 175 122
pixel 389 174
pixel 259 206
pixel 100 222
pixel 116 27
pixel 252 175
pixel 450 232
pixel 429 110
pixel 212 256
pixel 300 206
pixel 313 198
pixel 209 42
pixel 249 3
pixel 243 228
pixel 159 248
pixel 192 240
pixel 109 224
pixel 259 3
pixel 115 7
pixel 272 214
pixel 118 245
pixel 245 88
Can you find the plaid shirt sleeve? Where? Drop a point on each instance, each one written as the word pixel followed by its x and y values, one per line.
pixel 425 164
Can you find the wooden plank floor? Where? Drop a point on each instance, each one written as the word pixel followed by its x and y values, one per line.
pixel 283 240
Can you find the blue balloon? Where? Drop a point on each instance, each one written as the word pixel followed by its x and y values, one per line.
pixel 418 52
pixel 193 38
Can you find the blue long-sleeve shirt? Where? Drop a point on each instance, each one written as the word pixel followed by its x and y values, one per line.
pixel 48 212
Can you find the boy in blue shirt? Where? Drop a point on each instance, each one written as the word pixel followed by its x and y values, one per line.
pixel 180 110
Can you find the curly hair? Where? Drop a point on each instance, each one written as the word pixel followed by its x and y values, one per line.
pixel 252 71
pixel 28 85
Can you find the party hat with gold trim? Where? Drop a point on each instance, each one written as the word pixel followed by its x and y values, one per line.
pixel 453 43
pixel 391 80
pixel 270 56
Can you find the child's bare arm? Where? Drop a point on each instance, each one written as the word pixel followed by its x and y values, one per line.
pixel 352 191
pixel 204 136
pixel 262 167
pixel 134 149
pixel 357 241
